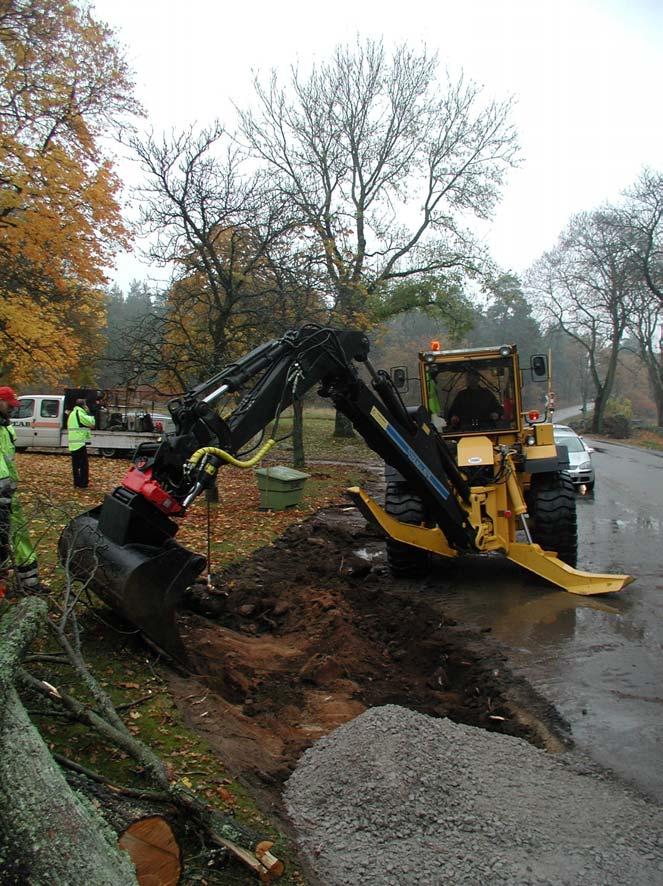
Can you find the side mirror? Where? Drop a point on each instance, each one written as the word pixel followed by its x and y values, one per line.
pixel 399 377
pixel 538 364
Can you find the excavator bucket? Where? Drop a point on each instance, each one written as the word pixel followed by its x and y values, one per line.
pixel 144 583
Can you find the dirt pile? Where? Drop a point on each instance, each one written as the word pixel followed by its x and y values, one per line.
pixel 310 632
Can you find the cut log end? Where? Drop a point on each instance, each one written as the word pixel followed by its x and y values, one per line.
pixel 154 851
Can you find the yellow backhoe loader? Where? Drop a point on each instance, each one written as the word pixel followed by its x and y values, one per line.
pixel 468 469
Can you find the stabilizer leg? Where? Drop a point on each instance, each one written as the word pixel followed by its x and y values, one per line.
pixel 549 566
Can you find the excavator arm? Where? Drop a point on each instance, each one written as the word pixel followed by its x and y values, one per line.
pixel 125 549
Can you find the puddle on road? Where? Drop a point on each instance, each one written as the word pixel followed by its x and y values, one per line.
pixel 598 659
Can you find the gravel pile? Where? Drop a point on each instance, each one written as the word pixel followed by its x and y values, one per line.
pixel 396 797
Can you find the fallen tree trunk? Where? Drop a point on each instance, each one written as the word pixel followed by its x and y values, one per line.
pixel 48 833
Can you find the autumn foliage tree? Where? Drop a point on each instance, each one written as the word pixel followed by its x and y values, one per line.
pixel 63 86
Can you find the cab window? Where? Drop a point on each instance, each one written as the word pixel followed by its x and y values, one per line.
pixel 50 408
pixel 25 410
pixel 473 395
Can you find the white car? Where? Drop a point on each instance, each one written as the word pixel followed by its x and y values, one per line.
pixel 581 469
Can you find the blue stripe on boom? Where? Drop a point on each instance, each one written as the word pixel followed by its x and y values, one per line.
pixel 417 462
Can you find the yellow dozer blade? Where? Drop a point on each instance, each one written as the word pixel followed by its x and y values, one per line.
pixel 546 564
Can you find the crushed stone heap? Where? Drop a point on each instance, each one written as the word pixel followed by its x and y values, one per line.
pixel 397 797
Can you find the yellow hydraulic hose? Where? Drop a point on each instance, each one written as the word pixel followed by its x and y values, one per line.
pixel 226 456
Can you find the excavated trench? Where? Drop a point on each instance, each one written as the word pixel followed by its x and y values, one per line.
pixel 311 631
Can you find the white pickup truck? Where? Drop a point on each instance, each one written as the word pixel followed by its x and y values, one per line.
pixel 40 423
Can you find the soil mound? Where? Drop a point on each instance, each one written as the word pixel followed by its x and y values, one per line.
pixel 311 631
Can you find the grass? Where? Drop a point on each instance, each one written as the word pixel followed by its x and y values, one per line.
pixel 648 438
pixel 319 440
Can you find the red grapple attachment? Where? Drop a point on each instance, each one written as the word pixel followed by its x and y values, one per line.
pixel 134 565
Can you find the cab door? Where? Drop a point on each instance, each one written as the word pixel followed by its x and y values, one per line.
pixel 37 422
pixel 48 422
pixel 23 420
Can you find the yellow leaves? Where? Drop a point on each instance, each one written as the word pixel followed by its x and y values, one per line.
pixel 62 79
pixel 34 337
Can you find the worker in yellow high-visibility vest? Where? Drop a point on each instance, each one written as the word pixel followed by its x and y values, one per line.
pixel 78 432
pixel 16 549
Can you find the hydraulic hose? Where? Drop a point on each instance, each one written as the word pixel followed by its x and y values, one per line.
pixel 227 457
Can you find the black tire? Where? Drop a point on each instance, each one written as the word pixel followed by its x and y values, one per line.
pixel 552 505
pixel 404 561
pixel 21 448
pixel 590 486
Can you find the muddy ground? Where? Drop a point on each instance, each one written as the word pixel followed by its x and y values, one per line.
pixel 311 631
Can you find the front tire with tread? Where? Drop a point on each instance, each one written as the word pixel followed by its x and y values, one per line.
pixel 553 513
pixel 404 560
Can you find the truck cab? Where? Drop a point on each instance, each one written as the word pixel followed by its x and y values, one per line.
pixel 38 421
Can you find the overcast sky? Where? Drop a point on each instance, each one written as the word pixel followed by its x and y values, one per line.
pixel 586 74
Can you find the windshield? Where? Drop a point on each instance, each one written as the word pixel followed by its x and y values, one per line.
pixel 573 444
pixel 473 395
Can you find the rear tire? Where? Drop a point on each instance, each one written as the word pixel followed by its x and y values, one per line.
pixel 405 561
pixel 553 512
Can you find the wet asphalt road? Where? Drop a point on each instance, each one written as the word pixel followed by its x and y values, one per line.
pixel 598 659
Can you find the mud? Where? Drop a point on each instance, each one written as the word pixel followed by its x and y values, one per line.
pixel 312 631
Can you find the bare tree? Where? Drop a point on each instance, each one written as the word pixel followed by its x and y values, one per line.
pixel 640 220
pixel 213 222
pixel 36 800
pixel 646 327
pixel 380 161
pixel 585 287
pixel 47 832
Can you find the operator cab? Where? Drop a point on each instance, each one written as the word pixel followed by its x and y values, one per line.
pixel 474 394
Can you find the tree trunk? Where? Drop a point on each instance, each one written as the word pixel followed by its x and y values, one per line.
pixel 343 427
pixel 48 834
pixel 141 827
pixel 655 372
pixel 659 408
pixel 298 454
pixel 599 410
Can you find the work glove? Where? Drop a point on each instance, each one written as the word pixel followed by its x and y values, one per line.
pixel 7 487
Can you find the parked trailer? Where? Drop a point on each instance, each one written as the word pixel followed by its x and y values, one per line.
pixel 40 422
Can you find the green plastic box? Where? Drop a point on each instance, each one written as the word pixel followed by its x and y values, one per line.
pixel 280 487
